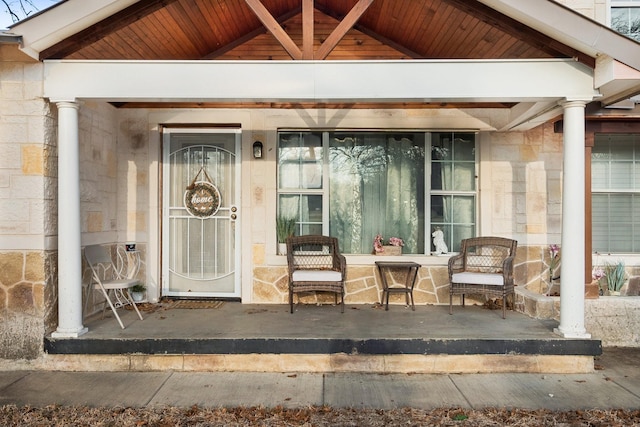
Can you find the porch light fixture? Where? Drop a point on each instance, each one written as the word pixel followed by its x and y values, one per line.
pixel 257 150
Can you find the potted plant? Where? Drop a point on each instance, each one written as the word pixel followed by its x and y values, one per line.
pixel 137 292
pixel 554 264
pixel 615 276
pixel 285 227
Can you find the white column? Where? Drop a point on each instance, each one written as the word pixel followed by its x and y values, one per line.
pixel 572 280
pixel 69 249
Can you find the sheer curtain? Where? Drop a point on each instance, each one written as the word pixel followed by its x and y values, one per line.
pixel 377 187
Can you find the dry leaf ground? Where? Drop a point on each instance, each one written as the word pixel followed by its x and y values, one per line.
pixel 11 415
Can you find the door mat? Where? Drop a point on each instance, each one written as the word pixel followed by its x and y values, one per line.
pixel 195 304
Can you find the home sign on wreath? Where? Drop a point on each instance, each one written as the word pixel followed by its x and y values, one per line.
pixel 202 198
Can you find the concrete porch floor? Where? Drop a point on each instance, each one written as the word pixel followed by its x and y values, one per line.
pixel 366 338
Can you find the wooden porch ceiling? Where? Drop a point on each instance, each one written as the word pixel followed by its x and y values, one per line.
pixel 309 30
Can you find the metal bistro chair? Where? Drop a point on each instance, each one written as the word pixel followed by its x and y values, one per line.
pixel 106 278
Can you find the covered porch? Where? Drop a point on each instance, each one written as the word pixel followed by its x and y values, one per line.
pixel 366 338
pixel 493 95
pixel 485 81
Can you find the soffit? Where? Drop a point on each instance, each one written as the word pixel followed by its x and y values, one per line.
pixel 388 29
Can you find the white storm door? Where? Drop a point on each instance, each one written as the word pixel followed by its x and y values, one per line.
pixel 200 232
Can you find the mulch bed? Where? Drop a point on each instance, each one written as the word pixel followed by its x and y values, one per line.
pixel 11 415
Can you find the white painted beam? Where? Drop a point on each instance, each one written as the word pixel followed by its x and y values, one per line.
pixel 615 80
pixel 320 81
pixel 527 115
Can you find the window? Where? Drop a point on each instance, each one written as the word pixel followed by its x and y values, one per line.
pixel 354 185
pixel 453 184
pixel 625 18
pixel 615 186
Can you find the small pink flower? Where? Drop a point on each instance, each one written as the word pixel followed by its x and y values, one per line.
pixel 378 243
pixel 597 273
pixel 396 241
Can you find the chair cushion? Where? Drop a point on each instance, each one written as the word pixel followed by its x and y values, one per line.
pixel 317 276
pixel 478 278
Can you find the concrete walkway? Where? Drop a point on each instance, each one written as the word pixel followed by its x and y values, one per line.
pixel 614 384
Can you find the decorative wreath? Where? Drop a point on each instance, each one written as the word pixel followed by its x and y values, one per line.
pixel 202 198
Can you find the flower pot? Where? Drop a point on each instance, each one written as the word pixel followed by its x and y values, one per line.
pixel 282 248
pixel 614 293
pixel 137 296
pixel 592 290
pixel 390 251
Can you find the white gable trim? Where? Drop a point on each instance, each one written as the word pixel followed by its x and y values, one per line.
pixel 319 81
pixel 64 20
pixel 571 28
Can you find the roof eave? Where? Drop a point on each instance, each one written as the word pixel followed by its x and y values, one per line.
pixel 571 28
pixel 63 20
pixel 10 38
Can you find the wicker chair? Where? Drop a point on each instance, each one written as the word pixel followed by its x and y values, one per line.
pixel 483 266
pixel 315 265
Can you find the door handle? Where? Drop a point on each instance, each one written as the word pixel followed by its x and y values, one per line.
pixel 233 216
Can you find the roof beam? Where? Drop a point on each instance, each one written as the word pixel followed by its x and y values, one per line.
pixel 527 115
pixel 245 38
pixel 307 29
pixel 272 25
pixel 343 27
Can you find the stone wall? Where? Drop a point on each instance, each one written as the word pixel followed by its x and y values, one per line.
pixel 522 189
pixel 28 199
pixel 133 181
pixel 363 286
pixel 27 302
pixel 98 172
pixel 28 204
pixel 614 320
pixel 594 9
pixel 28 161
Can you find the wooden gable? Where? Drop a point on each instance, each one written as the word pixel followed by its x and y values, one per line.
pixel 246 29
pixel 355 45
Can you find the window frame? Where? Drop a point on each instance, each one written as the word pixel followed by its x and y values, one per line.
pixel 624 4
pixel 452 192
pixel 633 191
pixel 325 188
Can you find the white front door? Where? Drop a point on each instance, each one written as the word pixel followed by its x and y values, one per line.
pixel 200 213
